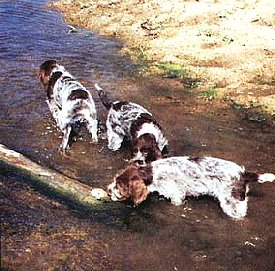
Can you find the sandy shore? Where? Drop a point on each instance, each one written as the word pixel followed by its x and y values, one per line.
pixel 228 46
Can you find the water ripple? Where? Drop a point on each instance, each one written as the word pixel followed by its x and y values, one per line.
pixel 30 33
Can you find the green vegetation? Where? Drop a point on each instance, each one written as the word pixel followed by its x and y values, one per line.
pixel 210 93
pixel 141 56
pixel 172 70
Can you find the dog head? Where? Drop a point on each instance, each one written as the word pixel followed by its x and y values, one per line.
pixel 131 183
pixel 45 72
pixel 146 149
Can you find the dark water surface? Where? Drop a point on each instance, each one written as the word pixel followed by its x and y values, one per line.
pixel 42 233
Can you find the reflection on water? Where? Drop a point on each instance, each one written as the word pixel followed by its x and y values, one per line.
pixel 30 34
pixel 156 236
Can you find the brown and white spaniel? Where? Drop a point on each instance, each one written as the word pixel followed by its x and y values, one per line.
pixel 132 121
pixel 70 102
pixel 178 177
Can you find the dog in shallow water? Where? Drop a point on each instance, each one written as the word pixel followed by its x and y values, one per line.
pixel 178 177
pixel 70 102
pixel 135 123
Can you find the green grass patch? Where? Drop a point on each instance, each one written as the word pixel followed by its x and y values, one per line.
pixel 210 93
pixel 172 70
pixel 141 55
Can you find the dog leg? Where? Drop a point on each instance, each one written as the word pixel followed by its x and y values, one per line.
pixel 55 110
pixel 233 207
pixel 170 191
pixel 177 198
pixel 115 136
pixel 114 141
pixel 66 135
pixel 92 128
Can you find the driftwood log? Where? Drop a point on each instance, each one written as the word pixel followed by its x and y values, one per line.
pixel 39 176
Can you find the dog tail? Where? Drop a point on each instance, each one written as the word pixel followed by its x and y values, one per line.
pixel 266 177
pixel 103 97
pixel 260 178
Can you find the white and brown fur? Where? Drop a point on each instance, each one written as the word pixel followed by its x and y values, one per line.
pixel 70 102
pixel 135 123
pixel 178 177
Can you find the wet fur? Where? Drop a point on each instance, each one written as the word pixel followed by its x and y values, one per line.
pixel 70 102
pixel 133 122
pixel 178 177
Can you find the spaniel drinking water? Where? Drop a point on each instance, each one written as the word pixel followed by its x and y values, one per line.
pixel 178 177
pixel 132 121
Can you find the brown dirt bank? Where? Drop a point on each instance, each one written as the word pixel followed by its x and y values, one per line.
pixel 229 46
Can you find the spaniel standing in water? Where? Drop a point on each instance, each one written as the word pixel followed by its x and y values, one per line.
pixel 70 103
pixel 178 177
pixel 132 121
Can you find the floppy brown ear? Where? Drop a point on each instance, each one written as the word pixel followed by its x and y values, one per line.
pixel 157 153
pixel 40 74
pixel 51 82
pixel 44 79
pixel 138 191
pixel 45 71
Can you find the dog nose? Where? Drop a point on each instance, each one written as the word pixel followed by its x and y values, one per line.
pixel 138 162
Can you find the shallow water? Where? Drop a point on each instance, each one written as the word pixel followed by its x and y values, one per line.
pixel 41 233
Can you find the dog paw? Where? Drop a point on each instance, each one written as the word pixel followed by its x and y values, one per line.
pixel 98 193
pixel 64 151
pixel 94 140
